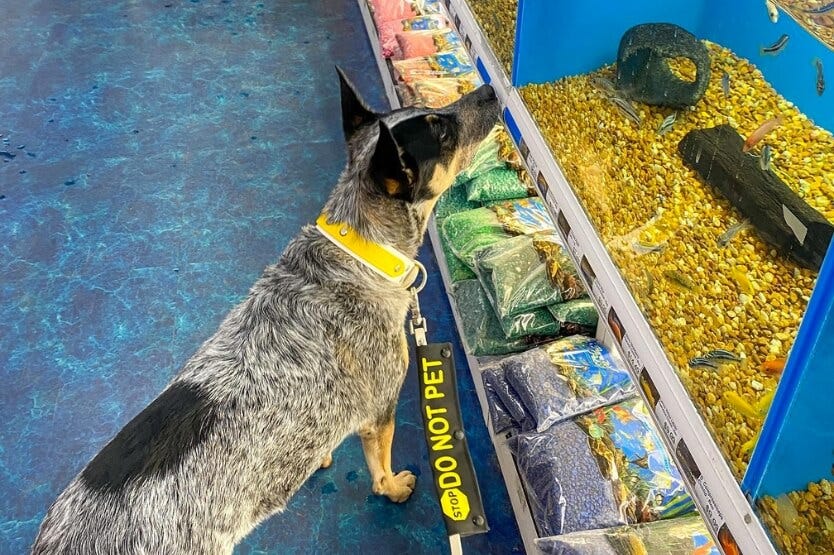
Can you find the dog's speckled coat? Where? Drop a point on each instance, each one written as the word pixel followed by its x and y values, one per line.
pixel 317 351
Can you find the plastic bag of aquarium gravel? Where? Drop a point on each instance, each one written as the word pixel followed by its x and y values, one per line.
pixel 565 487
pixel 414 44
pixel 527 272
pixel 538 323
pixel 485 157
pixel 570 376
pixel 481 328
pixel 458 271
pixel 578 311
pixel 611 467
pixel 436 93
pixel 468 232
pixel 444 64
pixel 452 201
pixel 388 30
pixel 666 537
pixel 506 410
pixel 501 183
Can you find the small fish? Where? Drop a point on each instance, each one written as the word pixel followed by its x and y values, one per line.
pixel 776 47
pixel 626 108
pixel 743 281
pixel 725 238
pixel 605 85
pixel 741 405
pixel 721 354
pixel 772 11
pixel 725 84
pixel 703 362
pixel 763 404
pixel 748 445
pixel 820 77
pixel 774 367
pixel 760 132
pixel 678 279
pixel 649 282
pixel 667 124
pixel 765 157
pixel 822 9
pixel 644 248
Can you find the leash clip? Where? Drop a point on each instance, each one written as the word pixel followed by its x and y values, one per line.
pixel 417 325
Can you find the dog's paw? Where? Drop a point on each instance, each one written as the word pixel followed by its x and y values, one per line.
pixel 398 487
pixel 327 461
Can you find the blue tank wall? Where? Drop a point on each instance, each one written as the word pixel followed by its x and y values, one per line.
pixel 559 38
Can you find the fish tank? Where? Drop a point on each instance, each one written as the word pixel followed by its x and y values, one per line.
pixel 697 135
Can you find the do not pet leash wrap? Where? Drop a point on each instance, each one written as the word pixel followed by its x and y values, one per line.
pixel 451 464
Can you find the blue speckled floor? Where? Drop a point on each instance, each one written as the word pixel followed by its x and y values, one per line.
pixel 157 157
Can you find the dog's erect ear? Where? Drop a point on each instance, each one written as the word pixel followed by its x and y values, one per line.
pixel 393 170
pixel 354 112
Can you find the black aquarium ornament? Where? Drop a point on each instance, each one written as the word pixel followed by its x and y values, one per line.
pixel 643 72
pixel 778 215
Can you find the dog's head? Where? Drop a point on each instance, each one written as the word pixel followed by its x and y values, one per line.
pixel 412 155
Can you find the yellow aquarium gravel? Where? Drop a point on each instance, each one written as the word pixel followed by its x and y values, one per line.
pixel 802 522
pixel 662 226
pixel 497 21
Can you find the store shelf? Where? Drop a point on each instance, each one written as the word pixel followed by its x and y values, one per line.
pixel 518 497
pixel 716 491
pixel 476 43
pixel 506 463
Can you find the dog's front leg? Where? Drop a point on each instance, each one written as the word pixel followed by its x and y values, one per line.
pixel 376 442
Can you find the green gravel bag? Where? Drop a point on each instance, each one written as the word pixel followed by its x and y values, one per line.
pixel 527 272
pixel 458 271
pixel 578 311
pixel 468 232
pixel 481 329
pixel 539 323
pixel 486 158
pixel 497 184
pixel 452 201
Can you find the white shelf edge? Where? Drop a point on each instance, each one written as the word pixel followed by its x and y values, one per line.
pixel 716 492
pixel 506 462
pixel 479 50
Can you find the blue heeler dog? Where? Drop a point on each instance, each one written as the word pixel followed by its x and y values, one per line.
pixel 316 352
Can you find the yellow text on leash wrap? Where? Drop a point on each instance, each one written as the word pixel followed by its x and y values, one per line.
pixel 453 501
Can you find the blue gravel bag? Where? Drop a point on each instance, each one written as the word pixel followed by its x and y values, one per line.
pixel 678 536
pixel 567 377
pixel 494 380
pixel 611 467
pixel 566 488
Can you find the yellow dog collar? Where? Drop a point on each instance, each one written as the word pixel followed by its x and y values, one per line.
pixel 386 261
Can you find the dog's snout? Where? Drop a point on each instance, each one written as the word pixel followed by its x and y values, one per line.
pixel 486 94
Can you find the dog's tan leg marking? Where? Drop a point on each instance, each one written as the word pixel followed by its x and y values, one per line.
pixel 376 442
pixel 327 461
